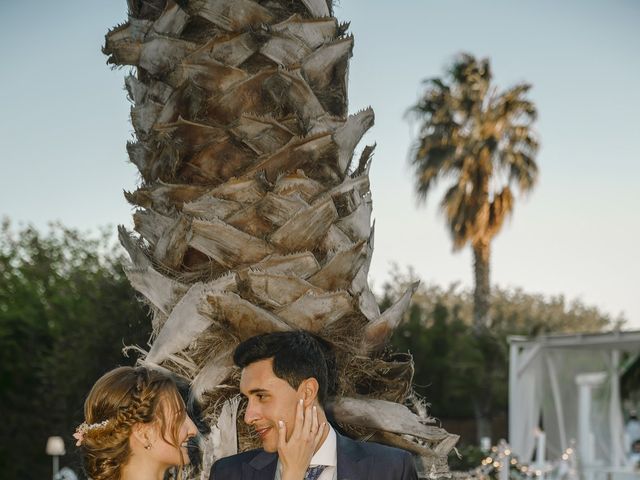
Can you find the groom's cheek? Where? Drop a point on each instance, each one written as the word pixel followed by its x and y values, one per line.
pixel 270 441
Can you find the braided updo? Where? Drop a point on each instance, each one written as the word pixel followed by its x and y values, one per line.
pixel 120 399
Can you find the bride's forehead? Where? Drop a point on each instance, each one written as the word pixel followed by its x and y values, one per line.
pixel 171 403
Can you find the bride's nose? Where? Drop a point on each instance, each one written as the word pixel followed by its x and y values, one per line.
pixel 192 431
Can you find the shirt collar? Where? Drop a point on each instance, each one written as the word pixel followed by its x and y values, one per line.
pixel 327 454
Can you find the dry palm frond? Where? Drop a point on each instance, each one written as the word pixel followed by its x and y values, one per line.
pixel 253 216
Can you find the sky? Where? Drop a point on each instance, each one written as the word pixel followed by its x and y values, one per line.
pixel 64 126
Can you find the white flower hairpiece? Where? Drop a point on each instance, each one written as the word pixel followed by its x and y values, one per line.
pixel 84 427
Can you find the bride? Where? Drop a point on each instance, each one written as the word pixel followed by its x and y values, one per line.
pixel 136 428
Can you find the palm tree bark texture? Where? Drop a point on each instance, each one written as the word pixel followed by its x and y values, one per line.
pixel 482 142
pixel 253 214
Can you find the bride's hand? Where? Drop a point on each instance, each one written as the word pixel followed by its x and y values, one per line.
pixel 296 453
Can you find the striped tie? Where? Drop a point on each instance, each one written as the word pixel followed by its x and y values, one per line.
pixel 313 473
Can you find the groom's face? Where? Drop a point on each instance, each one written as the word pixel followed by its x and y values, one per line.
pixel 270 399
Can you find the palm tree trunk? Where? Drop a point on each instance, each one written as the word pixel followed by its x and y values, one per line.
pixel 483 401
pixel 253 214
pixel 482 291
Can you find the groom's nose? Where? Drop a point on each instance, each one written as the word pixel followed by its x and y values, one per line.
pixel 251 414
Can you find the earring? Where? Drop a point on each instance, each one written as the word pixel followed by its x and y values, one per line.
pixel 147 446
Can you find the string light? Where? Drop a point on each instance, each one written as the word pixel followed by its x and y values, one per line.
pixel 500 459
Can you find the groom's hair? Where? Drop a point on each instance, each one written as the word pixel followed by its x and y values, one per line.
pixel 296 356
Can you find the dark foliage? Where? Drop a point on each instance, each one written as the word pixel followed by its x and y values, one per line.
pixel 66 311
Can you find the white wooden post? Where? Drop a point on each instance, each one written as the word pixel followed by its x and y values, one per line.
pixel 541 452
pixel 616 424
pixel 513 379
pixel 586 441
pixel 504 456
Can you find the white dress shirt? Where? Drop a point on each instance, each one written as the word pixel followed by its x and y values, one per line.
pixel 326 455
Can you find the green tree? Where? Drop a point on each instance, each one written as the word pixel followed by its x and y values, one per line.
pixel 481 141
pixel 451 359
pixel 66 310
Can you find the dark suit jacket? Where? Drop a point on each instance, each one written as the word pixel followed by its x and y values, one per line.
pixel 356 461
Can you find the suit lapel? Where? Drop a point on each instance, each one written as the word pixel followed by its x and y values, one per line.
pixel 353 463
pixel 352 459
pixel 261 467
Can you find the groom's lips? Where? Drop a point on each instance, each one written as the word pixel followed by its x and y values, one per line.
pixel 262 432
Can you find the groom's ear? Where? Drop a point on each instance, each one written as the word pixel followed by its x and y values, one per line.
pixel 308 390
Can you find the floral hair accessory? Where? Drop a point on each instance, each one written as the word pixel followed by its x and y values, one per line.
pixel 84 427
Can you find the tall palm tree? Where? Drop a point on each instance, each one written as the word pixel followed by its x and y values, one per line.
pixel 480 142
pixel 252 214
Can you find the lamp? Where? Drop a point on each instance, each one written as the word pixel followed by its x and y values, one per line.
pixel 55 448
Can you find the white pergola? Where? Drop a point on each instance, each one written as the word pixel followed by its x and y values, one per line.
pixel 572 382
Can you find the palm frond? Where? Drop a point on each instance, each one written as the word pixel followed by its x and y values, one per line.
pixel 470 134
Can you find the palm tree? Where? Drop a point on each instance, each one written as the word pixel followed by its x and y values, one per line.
pixel 481 142
pixel 252 214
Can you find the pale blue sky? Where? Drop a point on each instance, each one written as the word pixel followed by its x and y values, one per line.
pixel 64 125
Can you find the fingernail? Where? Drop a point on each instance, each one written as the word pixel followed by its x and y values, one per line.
pixel 280 423
pixel 301 401
pixel 314 408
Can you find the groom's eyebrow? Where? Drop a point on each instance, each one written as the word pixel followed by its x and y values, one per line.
pixel 257 390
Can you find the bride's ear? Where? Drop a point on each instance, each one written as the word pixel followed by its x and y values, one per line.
pixel 308 390
pixel 140 434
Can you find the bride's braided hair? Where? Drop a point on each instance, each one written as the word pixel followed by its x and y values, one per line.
pixel 120 399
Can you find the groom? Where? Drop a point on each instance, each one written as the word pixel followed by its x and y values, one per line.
pixel 279 369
